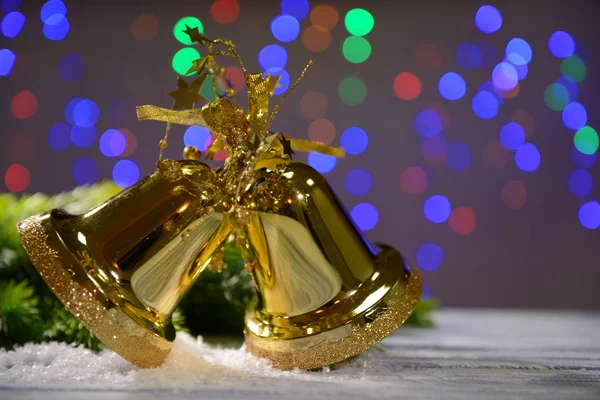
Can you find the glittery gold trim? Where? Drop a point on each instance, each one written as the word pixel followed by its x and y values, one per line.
pixel 113 327
pixel 358 340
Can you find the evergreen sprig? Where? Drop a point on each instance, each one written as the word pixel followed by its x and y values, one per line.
pixel 19 313
pixel 30 312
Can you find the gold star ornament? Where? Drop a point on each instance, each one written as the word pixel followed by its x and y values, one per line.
pixel 187 94
pixel 197 66
pixel 196 36
pixel 287 146
pixel 273 83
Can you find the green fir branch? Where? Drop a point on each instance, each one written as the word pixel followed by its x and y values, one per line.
pixel 19 314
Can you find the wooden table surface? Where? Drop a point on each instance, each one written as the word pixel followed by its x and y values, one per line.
pixel 470 354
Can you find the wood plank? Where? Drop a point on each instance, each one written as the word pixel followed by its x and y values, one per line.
pixel 471 354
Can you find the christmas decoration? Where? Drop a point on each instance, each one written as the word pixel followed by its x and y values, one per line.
pixel 30 312
pixel 324 292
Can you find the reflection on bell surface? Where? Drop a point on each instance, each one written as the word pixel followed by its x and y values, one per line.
pixel 325 293
pixel 123 266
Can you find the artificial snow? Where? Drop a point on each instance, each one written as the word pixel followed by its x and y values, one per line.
pixel 191 363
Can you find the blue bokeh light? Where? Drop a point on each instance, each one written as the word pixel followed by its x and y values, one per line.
pixel 571 87
pixel 7 61
pixel 527 157
pixel 85 113
pixel 10 5
pixel 505 76
pixel 589 215
pixel 468 56
pixel 580 182
pixel 272 56
pixel 71 67
pixel 197 136
pixel 298 9
pixel 51 8
pixel 70 108
pixel 522 71
pixel 285 28
pixel 56 27
pixel 512 136
pixel 452 86
pixel 437 208
pixel 365 216
pixel 354 140
pixel 561 44
pixel 485 105
pixel 358 182
pixel 125 173
pixel 59 136
pixel 428 122
pixel 521 67
pixel 112 143
pixel 488 19
pixel 83 136
pixel 521 47
pixel 284 81
pixel 323 163
pixel 574 116
pixel 459 156
pixel 12 24
pixel 430 256
pixel 581 159
pixel 85 171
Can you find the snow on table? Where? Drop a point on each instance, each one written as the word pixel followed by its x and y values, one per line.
pixel 471 354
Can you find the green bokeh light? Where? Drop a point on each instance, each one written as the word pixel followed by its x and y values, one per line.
pixel 586 140
pixel 183 59
pixel 356 49
pixel 359 22
pixel 556 97
pixel 574 68
pixel 352 91
pixel 192 22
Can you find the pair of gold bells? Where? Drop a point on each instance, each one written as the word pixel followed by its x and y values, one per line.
pixel 324 293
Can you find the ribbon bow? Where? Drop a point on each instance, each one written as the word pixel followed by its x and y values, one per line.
pixel 243 132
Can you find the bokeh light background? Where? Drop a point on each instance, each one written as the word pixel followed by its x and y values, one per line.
pixel 469 127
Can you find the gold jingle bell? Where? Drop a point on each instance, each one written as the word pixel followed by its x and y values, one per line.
pixel 122 267
pixel 324 292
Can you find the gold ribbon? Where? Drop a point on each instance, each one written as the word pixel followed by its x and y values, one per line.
pixel 227 121
pixel 317 147
pixel 185 117
pixel 258 98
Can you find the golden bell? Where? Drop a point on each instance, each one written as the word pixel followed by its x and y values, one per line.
pixel 325 293
pixel 122 267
